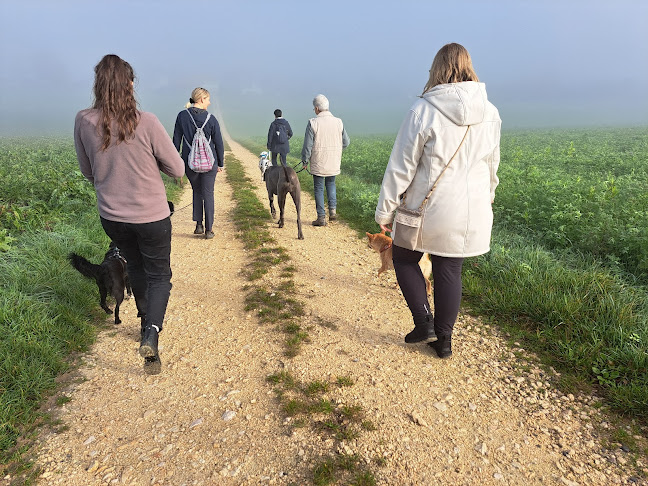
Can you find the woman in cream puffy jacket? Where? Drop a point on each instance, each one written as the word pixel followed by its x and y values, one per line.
pixel 457 218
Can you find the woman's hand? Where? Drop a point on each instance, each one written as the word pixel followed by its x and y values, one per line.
pixel 220 169
pixel 386 228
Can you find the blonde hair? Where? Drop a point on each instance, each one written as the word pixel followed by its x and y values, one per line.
pixel 197 95
pixel 452 64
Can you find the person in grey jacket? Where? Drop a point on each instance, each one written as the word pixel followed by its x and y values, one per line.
pixel 279 135
pixel 323 144
pixel 452 118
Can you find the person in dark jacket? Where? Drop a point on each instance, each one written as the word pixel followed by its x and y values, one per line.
pixel 279 135
pixel 202 183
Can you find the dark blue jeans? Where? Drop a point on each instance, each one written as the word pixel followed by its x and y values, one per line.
pixel 147 249
pixel 274 158
pixel 446 275
pixel 318 189
pixel 202 185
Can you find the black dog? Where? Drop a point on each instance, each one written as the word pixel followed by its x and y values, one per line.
pixel 281 180
pixel 111 277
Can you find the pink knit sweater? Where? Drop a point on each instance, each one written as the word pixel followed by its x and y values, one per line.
pixel 126 176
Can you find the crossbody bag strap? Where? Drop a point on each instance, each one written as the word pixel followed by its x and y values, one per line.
pixel 444 169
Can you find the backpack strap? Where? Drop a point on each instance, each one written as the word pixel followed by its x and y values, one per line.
pixel 196 125
pixel 192 118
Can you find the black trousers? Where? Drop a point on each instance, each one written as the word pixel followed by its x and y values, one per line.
pixel 147 249
pixel 202 185
pixel 446 273
pixel 274 158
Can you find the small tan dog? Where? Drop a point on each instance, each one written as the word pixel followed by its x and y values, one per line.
pixel 382 243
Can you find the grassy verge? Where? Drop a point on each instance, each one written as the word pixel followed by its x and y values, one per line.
pixel 578 314
pixel 585 321
pixel 279 304
pixel 271 293
pixel 48 312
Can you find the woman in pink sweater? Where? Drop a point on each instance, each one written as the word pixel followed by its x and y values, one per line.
pixel 122 150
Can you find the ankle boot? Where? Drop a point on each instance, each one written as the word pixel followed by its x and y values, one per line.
pixel 200 229
pixel 152 365
pixel 149 344
pixel 423 330
pixel 320 221
pixel 332 214
pixel 442 346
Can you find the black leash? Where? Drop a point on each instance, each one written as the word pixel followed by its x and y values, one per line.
pixel 184 207
pixel 303 167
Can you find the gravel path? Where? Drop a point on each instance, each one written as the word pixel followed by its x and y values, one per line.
pixel 486 416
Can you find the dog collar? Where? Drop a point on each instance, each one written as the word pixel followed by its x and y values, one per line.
pixel 385 248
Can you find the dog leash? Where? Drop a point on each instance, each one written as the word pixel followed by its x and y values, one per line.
pixel 303 167
pixel 184 207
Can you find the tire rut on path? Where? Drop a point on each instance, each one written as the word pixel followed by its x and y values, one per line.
pixel 484 417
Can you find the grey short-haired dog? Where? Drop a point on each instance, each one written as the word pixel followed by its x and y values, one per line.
pixel 281 180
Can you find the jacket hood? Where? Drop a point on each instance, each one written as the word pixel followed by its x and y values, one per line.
pixel 463 103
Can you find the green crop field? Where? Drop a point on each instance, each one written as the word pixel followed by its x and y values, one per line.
pixel 567 274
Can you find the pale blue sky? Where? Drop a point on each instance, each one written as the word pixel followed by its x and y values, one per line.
pixel 546 63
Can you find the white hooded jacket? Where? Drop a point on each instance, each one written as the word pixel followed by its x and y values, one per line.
pixel 457 219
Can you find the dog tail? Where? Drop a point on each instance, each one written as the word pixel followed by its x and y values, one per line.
pixel 85 268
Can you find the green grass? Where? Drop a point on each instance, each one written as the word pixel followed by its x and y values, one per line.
pixel 568 271
pixel 585 320
pixel 48 311
pixel 312 404
pixel 279 305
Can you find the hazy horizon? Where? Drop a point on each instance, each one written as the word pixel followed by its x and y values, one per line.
pixel 551 64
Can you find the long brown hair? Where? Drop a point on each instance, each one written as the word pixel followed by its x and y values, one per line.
pixel 452 64
pixel 115 98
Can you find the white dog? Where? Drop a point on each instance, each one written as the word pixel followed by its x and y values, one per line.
pixel 264 163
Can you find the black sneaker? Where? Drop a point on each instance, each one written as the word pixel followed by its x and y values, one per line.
pixel 199 229
pixel 152 365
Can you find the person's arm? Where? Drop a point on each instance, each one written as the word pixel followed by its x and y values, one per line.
pixel 270 132
pixel 401 168
pixel 84 161
pixel 290 132
pixel 345 139
pixel 493 164
pixel 177 133
pixel 218 143
pixel 164 150
pixel 307 148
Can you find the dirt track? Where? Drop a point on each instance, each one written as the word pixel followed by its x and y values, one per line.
pixel 483 417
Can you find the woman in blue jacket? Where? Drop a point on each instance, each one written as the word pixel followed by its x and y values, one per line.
pixel 202 183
